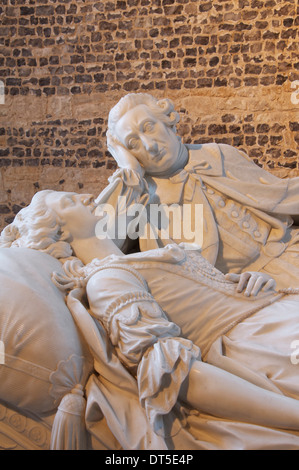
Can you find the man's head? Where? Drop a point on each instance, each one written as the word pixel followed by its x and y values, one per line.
pixel 161 109
pixel 146 127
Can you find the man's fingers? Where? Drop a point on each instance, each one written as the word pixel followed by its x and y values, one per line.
pixel 270 285
pixel 250 285
pixel 232 277
pixel 243 282
pixel 259 281
pixel 251 282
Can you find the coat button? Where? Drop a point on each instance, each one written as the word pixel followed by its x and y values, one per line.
pixel 246 224
pixel 235 214
pixel 221 203
pixel 257 234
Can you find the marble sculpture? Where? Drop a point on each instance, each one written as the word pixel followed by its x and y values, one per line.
pixel 249 215
pixel 182 355
pixel 155 342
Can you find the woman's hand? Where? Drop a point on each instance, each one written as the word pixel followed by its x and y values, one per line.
pixel 122 155
pixel 252 282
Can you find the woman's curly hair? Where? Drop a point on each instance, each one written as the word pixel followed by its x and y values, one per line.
pixel 38 227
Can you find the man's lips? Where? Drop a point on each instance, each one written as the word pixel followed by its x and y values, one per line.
pixel 159 155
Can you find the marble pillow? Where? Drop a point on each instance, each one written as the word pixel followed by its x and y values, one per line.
pixel 44 355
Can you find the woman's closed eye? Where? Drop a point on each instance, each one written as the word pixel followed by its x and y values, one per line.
pixel 67 201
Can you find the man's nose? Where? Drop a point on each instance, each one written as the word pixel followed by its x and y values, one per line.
pixel 149 144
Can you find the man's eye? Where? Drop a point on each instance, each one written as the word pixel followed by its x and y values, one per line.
pixel 133 143
pixel 148 127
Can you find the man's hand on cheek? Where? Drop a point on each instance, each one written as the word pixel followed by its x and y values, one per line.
pixel 122 155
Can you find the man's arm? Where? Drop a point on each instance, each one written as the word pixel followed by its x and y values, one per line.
pixel 126 193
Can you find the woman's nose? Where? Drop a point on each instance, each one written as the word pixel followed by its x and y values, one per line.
pixel 86 199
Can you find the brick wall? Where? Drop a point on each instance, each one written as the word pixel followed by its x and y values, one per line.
pixel 230 66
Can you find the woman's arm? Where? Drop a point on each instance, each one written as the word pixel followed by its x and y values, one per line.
pixel 219 393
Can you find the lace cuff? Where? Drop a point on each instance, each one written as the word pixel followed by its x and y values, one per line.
pixel 160 375
pixel 115 312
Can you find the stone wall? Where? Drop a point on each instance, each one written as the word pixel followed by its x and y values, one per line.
pixel 231 66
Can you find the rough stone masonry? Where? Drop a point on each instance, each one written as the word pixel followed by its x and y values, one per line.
pixel 231 66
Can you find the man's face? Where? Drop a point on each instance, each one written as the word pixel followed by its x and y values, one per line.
pixel 149 140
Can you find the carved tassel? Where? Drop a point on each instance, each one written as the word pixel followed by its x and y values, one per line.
pixel 69 430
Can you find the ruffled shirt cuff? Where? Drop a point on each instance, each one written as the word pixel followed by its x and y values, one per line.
pixel 130 178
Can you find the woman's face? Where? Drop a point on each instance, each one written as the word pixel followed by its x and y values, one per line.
pixel 149 140
pixel 76 212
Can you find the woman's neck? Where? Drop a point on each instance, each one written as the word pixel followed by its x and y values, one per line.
pixel 86 249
